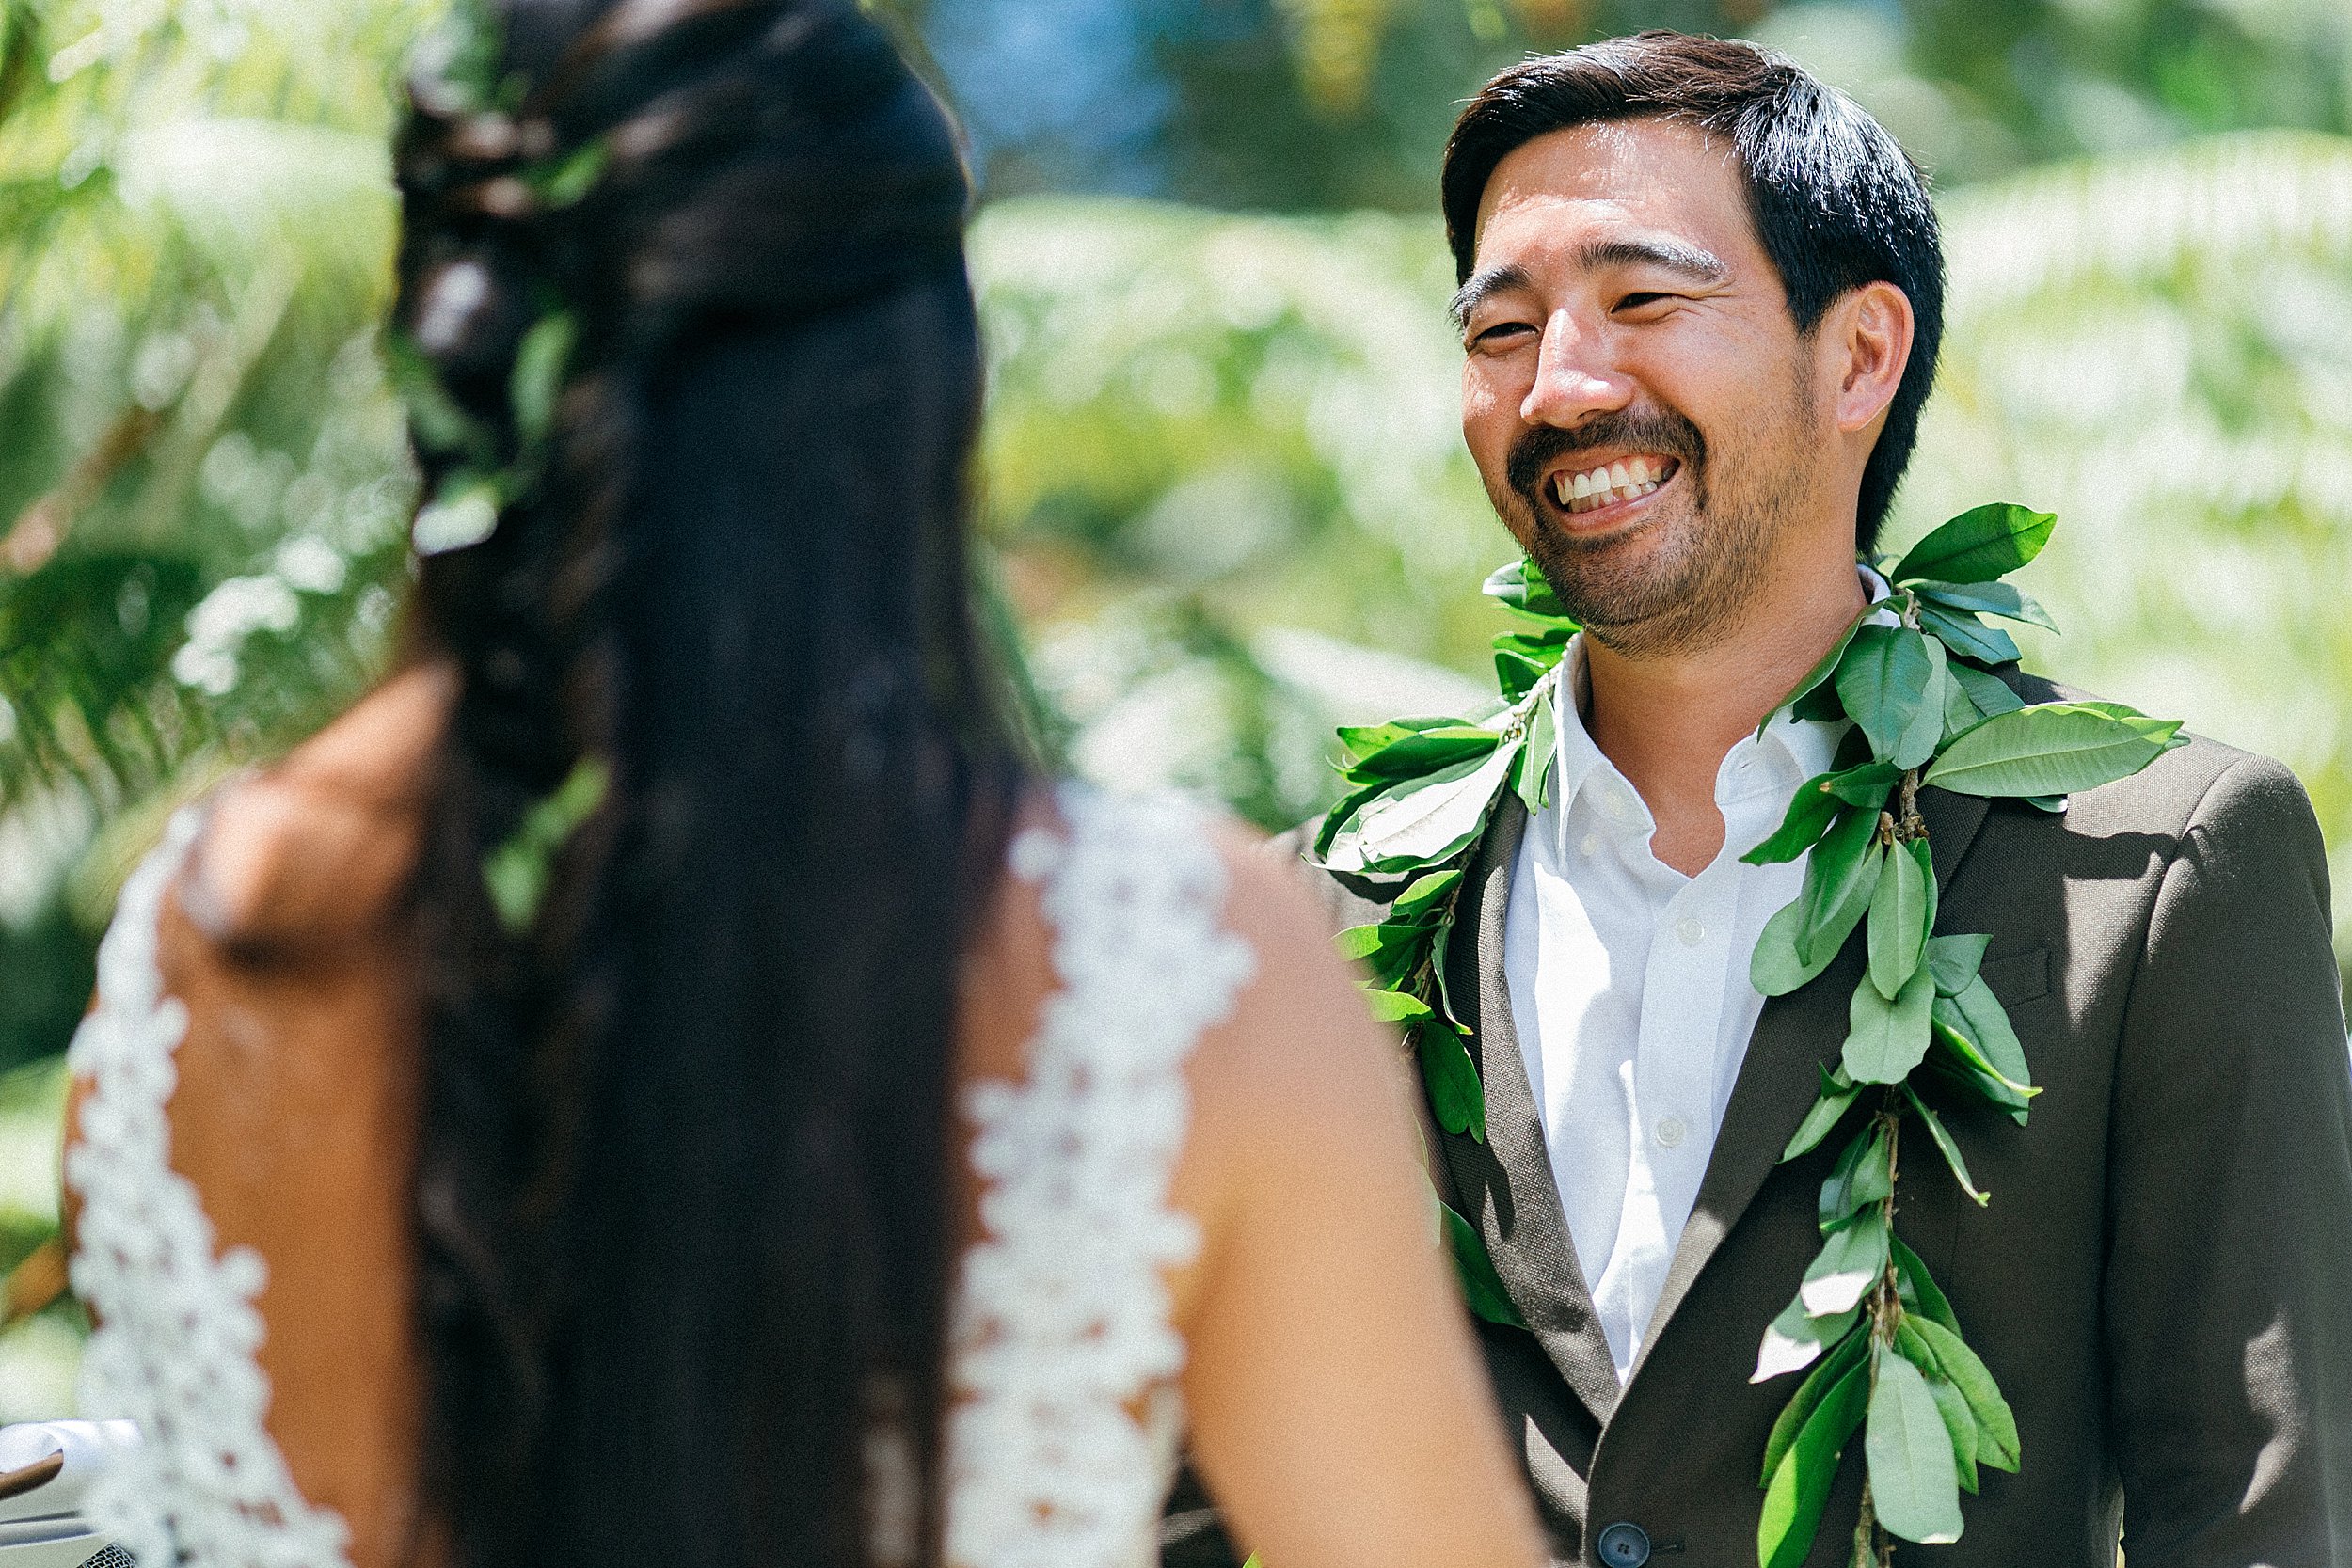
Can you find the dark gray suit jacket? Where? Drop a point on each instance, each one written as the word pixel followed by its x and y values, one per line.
pixel 2163 1280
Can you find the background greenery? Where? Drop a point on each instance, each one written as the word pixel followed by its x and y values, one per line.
pixel 1222 476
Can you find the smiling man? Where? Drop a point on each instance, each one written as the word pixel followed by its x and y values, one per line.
pixel 1700 301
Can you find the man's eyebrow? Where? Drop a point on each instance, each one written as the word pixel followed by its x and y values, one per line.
pixel 1482 287
pixel 1702 266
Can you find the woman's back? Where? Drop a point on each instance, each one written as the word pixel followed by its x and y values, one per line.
pixel 1137 1039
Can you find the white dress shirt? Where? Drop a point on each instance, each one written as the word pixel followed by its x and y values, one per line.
pixel 1630 990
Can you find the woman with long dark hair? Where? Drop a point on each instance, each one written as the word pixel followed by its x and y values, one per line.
pixel 659 1081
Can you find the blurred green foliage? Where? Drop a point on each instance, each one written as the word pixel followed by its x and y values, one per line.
pixel 1222 479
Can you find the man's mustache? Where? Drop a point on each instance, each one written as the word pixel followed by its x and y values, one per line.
pixel 1540 449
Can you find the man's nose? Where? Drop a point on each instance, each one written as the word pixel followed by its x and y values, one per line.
pixel 1574 378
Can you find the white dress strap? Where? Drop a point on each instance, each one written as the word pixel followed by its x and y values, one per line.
pixel 178 1331
pixel 1061 1328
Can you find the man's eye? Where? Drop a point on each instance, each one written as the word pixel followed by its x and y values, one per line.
pixel 1501 332
pixel 1641 299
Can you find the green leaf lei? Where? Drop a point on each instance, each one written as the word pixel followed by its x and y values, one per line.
pixel 1915 673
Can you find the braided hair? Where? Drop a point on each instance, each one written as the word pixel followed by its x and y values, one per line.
pixel 682 1191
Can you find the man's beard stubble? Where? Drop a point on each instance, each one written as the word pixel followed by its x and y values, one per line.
pixel 1648 595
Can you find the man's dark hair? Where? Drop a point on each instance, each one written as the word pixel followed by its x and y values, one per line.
pixel 1836 201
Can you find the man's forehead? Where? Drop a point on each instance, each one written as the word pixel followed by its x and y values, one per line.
pixel 1655 175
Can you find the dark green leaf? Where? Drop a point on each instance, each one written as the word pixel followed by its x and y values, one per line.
pixel 1951 1151
pixel 1794 1341
pixel 1800 1485
pixel 1883 680
pixel 1988 692
pixel 1481 1286
pixel 1818 705
pixel 1961 712
pixel 1454 1091
pixel 1774 969
pixel 2054 804
pixel 1996 1425
pixel 1837 1096
pixel 1919 740
pixel 1954 959
pixel 1917 1287
pixel 1340 815
pixel 1960 1422
pixel 1970 637
pixel 1902 908
pixel 1914 1479
pixel 1390 949
pixel 1531 779
pixel 1425 752
pixel 1848 1263
pixel 1868 786
pixel 1863 1176
pixel 1362 741
pixel 1887 1038
pixel 1516 673
pixel 1422 822
pixel 1980 545
pixel 1837 882
pixel 1986 598
pixel 2053 749
pixel 1807 1399
pixel 1422 896
pixel 1983 1020
pixel 1809 815
pixel 1820 672
pixel 537 378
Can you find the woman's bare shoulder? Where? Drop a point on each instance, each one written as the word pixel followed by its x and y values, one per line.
pixel 322 844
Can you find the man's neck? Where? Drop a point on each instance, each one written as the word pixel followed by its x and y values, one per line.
pixel 1667 720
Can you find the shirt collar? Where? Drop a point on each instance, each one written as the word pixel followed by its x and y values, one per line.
pixel 1802 748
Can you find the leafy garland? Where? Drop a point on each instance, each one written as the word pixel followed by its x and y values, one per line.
pixel 1915 674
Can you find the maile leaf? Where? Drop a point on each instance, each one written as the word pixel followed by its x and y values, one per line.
pixel 1422 896
pixel 1390 949
pixel 1481 1286
pixel 1914 1479
pixel 1837 1096
pixel 1848 1263
pixel 1810 814
pixel 1807 1399
pixel 1984 1021
pixel 1986 598
pixel 1517 674
pixel 1980 545
pixel 1970 637
pixel 1424 824
pixel 1902 908
pixel 1919 740
pixel 1882 681
pixel 1863 1176
pixel 1395 1007
pixel 1822 671
pixel 1960 1422
pixel 1774 969
pixel 1794 1340
pixel 1886 1040
pixel 1951 1151
pixel 1996 1424
pixel 1837 883
pixel 1531 777
pixel 1423 751
pixel 1521 586
pixel 1800 1485
pixel 2051 749
pixel 1867 785
pixel 1989 692
pixel 1454 1091
pixel 1363 740
pixel 1916 1288
pixel 1954 959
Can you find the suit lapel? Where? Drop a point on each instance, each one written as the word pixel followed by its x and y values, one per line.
pixel 1777 1080
pixel 1507 1184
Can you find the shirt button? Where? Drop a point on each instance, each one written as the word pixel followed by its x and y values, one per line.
pixel 1671 1131
pixel 1690 930
pixel 1589 845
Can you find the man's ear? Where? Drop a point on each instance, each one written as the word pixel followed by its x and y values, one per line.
pixel 1865 343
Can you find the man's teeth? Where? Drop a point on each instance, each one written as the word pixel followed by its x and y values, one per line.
pixel 1612 483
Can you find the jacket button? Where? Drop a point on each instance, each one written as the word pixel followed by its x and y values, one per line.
pixel 1623 1546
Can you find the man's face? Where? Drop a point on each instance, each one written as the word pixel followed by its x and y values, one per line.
pixel 1638 399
